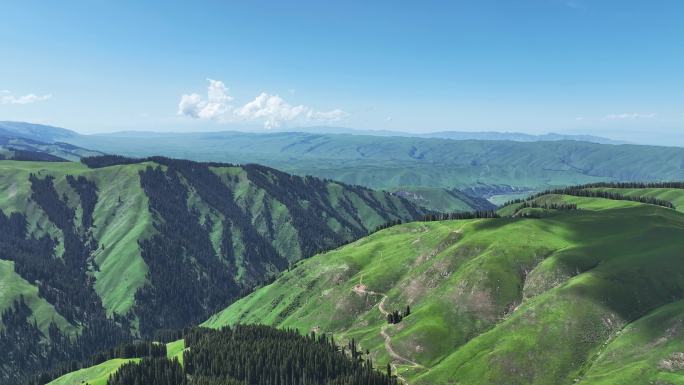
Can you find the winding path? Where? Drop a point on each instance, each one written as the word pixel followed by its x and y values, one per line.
pixel 361 289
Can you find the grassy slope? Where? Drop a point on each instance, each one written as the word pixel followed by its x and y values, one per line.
pixel 530 301
pixel 117 225
pixel 13 286
pixel 94 375
pixel 649 349
pixel 676 196
pixel 98 374
pixel 122 218
pixel 175 350
pixel 574 279
pixel 257 202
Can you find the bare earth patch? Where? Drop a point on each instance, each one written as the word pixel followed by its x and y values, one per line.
pixel 674 363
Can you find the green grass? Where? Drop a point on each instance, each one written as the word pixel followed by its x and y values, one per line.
pixel 675 196
pixel 121 220
pixel 94 375
pixel 645 350
pixel 175 349
pixel 12 287
pixel 98 374
pixel 515 301
pixel 118 225
pixel 591 296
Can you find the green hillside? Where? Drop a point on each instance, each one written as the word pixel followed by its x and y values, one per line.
pixel 98 374
pixel 107 253
pixel 589 295
pixel 94 375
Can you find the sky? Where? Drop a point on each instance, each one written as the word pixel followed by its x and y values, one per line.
pixel 603 67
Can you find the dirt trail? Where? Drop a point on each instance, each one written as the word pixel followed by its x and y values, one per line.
pixel 362 289
pixel 396 357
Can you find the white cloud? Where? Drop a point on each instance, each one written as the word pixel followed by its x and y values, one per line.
pixel 272 110
pixel 327 116
pixel 8 98
pixel 215 106
pixel 630 116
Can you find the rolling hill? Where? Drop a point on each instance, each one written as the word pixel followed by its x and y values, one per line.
pixel 93 255
pixel 587 294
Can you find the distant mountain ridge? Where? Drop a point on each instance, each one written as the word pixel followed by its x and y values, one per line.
pixel 403 163
pixel 393 163
pixel 48 133
pixel 39 132
pixel 27 141
pixel 459 135
pixel 519 137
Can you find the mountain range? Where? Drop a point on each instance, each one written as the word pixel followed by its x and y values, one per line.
pixel 102 255
pixel 425 168
pixel 458 135
pixel 99 252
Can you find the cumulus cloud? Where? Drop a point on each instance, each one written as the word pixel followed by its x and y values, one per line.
pixel 270 109
pixel 630 116
pixel 215 106
pixel 6 97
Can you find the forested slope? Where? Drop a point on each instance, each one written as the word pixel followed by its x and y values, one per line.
pixel 91 256
pixel 243 355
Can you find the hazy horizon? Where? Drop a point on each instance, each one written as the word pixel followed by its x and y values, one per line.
pixel 609 69
pixel 640 138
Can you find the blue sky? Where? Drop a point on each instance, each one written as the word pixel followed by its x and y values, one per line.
pixel 611 68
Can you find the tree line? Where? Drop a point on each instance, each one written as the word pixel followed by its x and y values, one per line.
pixel 256 355
pixel 461 215
pixel 550 206
pixel 581 191
pixel 666 184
